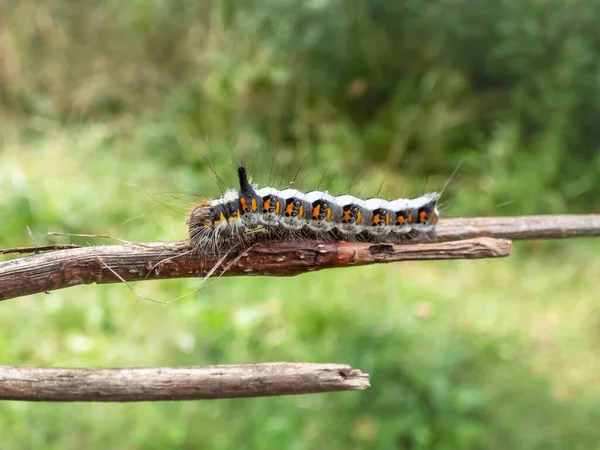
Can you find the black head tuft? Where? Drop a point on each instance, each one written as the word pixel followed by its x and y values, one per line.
pixel 245 187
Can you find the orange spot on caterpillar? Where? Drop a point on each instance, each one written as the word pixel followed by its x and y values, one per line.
pixel 376 219
pixel 254 205
pixel 328 215
pixel 316 211
pixel 346 217
pixel 289 208
pixel 301 211
pixel 277 207
pixel 400 220
pixel 387 219
pixel 243 204
pixel 266 205
pixel 409 218
pixel 359 217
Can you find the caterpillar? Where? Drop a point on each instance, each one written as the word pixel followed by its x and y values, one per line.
pixel 281 214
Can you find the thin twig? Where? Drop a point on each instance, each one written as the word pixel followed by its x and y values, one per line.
pixel 176 383
pixel 38 249
pixel 97 236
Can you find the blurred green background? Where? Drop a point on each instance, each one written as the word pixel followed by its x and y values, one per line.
pixel 109 112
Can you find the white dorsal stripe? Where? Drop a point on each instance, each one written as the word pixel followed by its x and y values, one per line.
pixel 313 196
pixel 423 200
pixel 377 203
pixel 286 194
pixel 230 195
pixel 399 204
pixel 263 192
pixel 345 200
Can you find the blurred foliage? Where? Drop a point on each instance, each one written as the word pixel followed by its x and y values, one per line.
pixel 111 111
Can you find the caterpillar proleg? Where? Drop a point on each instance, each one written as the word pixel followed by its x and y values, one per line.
pixel 221 222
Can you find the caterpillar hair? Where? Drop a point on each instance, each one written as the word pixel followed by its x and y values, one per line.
pixel 241 217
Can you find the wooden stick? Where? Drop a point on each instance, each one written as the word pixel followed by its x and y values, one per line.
pixel 176 383
pixel 117 263
pixel 524 227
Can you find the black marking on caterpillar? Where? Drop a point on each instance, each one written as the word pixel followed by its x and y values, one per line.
pixel 241 217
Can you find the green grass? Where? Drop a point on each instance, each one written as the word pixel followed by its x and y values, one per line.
pixel 462 354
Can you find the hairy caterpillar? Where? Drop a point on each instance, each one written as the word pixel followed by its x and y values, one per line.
pixel 288 213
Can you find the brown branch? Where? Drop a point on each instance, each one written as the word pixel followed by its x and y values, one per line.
pixel 524 227
pixel 176 383
pixel 114 263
